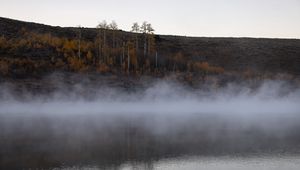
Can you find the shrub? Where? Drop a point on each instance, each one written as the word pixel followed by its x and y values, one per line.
pixel 4 67
pixel 103 68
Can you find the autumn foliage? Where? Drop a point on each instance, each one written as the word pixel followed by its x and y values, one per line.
pixel 205 67
pixel 111 50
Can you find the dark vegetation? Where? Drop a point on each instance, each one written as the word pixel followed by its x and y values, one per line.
pixel 30 49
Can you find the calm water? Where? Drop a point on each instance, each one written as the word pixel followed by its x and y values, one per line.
pixel 222 163
pixel 209 163
pixel 148 141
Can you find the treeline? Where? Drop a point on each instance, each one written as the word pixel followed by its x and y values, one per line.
pixel 110 51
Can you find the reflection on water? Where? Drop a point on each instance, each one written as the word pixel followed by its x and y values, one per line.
pixel 210 163
pixel 223 163
pixel 146 141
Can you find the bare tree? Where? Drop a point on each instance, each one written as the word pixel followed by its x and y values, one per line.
pixel 102 27
pixel 144 31
pixel 149 28
pixel 136 29
pixel 123 53
pixel 128 57
pixel 79 41
pixel 150 37
pixel 113 26
pixel 144 27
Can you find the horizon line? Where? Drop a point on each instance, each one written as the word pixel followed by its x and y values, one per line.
pixel 176 35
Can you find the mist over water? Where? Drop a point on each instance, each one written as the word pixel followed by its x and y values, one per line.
pixel 271 97
pixel 103 126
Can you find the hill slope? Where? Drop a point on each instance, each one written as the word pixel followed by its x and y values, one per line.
pixel 56 48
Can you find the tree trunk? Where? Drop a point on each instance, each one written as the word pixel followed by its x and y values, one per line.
pixel 128 59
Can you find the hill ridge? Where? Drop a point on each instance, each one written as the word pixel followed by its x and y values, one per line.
pixel 174 52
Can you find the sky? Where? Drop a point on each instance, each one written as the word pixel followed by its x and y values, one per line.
pixel 205 18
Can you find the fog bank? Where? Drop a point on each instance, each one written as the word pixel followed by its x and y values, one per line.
pixel 271 97
pixel 103 126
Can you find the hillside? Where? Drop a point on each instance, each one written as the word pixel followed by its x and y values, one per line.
pixel 31 48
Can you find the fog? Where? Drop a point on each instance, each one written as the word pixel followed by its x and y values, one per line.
pixel 110 125
pixel 270 98
pixel 272 106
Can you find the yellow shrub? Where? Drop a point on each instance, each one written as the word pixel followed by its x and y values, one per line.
pixel 205 67
pixel 76 64
pixel 4 67
pixel 103 68
pixel 89 56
